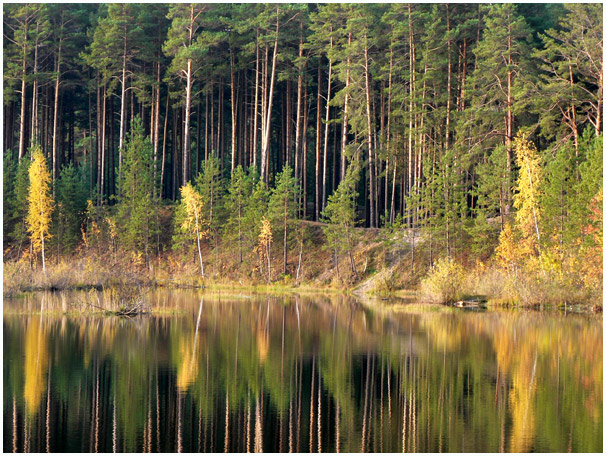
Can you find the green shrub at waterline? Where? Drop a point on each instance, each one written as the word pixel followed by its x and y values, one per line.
pixel 444 283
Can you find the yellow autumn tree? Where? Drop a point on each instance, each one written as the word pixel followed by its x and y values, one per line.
pixel 508 251
pixel 264 244
pixel 40 203
pixel 528 189
pixel 190 217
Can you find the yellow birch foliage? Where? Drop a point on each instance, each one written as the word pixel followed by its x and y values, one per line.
pixel 528 190
pixel 193 204
pixel 265 236
pixel 591 254
pixel 507 251
pixel 264 244
pixel 40 201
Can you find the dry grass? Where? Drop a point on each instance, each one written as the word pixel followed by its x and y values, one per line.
pixel 444 283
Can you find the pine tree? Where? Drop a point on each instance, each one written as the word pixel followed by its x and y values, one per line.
pixel 501 80
pixel 254 209
pixel 16 204
pixel 183 44
pixel 558 198
pixel 70 207
pixel 571 88
pixel 489 192
pixel 283 207
pixel 340 215
pixel 40 204
pixel 137 201
pixel 211 185
pixel 238 192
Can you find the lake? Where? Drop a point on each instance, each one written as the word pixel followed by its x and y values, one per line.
pixel 238 373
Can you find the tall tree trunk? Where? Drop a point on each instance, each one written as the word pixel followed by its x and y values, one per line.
pixel 34 119
pixel 509 120
pixel 56 114
pixel 388 143
pixel 287 126
pixel 233 109
pixel 410 112
pixel 345 111
pixel 326 131
pixel 573 122
pixel 285 234
pixel 186 132
pixel 449 80
pixel 23 97
pixel 304 139
pixel 103 125
pixel 265 148
pixel 122 107
pixel 318 136
pixel 164 137
pixel 156 121
pixel 98 135
pixel 371 164
pixel 256 104
pixel 298 115
pixel 206 138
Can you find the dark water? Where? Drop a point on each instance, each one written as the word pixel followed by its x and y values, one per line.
pixel 298 374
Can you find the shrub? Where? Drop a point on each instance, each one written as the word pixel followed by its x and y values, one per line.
pixel 444 282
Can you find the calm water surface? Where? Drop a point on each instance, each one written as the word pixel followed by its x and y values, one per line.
pixel 298 374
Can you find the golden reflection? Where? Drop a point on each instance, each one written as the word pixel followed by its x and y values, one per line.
pixel 187 370
pixel 36 364
pixel 521 399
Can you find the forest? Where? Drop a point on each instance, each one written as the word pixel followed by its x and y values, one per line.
pixel 453 148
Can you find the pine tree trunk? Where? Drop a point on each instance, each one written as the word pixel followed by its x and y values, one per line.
pixel 199 249
pixel 345 111
pixel 388 144
pixel 298 115
pixel 265 148
pixel 186 132
pixel 103 126
pixel 304 140
pixel 410 112
pixel 509 124
pixel 285 234
pixel 326 131
pixel 449 81
pixel 98 134
pixel 56 116
pixel 23 98
pixel 122 110
pixel 156 121
pixel 164 137
pixel 206 139
pixel 256 104
pixel 34 119
pixel 287 126
pixel 371 164
pixel 319 135
pixel 233 110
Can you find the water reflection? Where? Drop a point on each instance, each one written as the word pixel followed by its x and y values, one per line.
pixel 298 374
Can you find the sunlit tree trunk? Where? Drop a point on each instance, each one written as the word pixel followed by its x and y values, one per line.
pixel 265 145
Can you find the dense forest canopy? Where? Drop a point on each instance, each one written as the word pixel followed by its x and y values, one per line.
pixel 423 101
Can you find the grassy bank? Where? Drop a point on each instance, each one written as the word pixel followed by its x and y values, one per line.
pixel 381 271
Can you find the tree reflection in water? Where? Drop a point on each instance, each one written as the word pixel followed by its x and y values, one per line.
pixel 299 374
